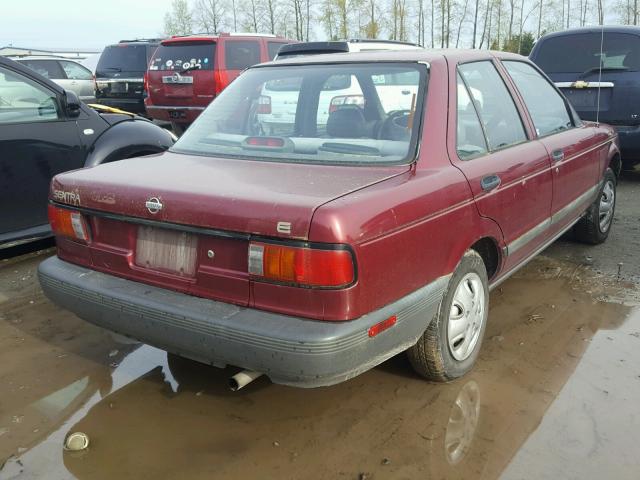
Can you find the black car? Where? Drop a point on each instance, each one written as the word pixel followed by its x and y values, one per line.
pixel 601 85
pixel 120 74
pixel 45 130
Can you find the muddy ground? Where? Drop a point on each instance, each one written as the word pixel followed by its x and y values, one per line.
pixel 555 393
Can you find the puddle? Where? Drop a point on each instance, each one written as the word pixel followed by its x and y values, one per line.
pixel 553 395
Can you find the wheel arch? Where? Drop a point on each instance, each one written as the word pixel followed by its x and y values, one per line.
pixel 616 164
pixel 128 139
pixel 488 249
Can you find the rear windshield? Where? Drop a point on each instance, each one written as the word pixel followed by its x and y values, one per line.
pixel 123 58
pixel 179 56
pixel 581 53
pixel 350 113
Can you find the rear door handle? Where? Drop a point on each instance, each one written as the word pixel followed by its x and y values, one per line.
pixel 557 155
pixel 490 182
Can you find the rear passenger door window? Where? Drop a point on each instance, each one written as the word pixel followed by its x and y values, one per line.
pixel 495 106
pixel 241 54
pixel 470 140
pixel 75 71
pixel 546 106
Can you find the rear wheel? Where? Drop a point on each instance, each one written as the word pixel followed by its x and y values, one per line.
pixel 450 346
pixel 595 225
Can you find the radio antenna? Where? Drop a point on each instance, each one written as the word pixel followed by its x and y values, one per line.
pixel 600 60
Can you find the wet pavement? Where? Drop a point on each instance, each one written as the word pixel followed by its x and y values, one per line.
pixel 554 394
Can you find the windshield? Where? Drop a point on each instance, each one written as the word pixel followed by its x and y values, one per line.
pixel 123 58
pixel 348 113
pixel 183 55
pixel 620 51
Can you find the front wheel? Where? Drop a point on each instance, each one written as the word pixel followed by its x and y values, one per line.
pixel 450 346
pixel 595 225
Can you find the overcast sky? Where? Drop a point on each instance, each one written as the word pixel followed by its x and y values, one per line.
pixel 78 23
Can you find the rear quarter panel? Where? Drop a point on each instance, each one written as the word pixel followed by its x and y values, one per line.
pixel 411 229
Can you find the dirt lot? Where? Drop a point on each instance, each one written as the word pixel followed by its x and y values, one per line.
pixel 554 395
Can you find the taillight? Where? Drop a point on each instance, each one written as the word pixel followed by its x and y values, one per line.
pixel 220 80
pixel 68 223
pixel 264 104
pixel 337 102
pixel 302 266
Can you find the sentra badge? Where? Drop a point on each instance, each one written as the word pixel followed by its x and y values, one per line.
pixel 71 198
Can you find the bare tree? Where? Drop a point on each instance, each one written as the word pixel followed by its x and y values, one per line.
pixel 372 27
pixel 179 20
pixel 475 24
pixel 271 6
pixel 251 16
pixel 462 19
pixel 211 15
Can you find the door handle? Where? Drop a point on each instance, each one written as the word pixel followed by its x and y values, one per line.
pixel 490 182
pixel 557 155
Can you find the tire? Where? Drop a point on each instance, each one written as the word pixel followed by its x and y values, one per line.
pixel 433 356
pixel 595 225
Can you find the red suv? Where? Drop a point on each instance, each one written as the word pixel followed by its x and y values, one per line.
pixel 186 73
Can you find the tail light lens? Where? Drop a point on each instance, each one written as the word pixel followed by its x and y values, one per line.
pixel 220 80
pixel 264 104
pixel 68 223
pixel 301 266
pixel 337 102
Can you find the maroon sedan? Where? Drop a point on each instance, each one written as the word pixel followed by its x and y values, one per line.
pixel 365 209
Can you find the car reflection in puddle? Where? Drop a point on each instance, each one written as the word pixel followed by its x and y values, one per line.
pixel 167 417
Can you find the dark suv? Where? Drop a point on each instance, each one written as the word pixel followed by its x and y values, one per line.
pixel 120 74
pixel 589 78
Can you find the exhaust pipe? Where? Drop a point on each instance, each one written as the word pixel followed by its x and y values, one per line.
pixel 242 378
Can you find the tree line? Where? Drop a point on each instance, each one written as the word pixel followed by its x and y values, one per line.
pixel 511 25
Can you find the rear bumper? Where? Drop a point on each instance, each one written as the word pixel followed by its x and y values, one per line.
pixel 289 350
pixel 133 105
pixel 177 114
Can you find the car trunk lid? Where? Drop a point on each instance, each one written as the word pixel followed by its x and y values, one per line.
pixel 185 222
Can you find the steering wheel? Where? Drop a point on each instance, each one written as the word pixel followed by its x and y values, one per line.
pixel 394 127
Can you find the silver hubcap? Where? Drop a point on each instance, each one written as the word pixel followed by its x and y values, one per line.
pixel 607 201
pixel 466 317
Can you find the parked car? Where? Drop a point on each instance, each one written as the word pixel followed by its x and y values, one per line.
pixel 45 130
pixel 187 72
pixel 120 74
pixel 68 74
pixel 341 46
pixel 599 85
pixel 315 254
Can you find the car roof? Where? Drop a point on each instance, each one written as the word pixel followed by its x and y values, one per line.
pixel 341 46
pixel 18 58
pixel 27 72
pixel 405 55
pixel 205 37
pixel 629 29
pixel 138 41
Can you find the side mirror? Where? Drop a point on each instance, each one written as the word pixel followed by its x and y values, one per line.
pixel 72 103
